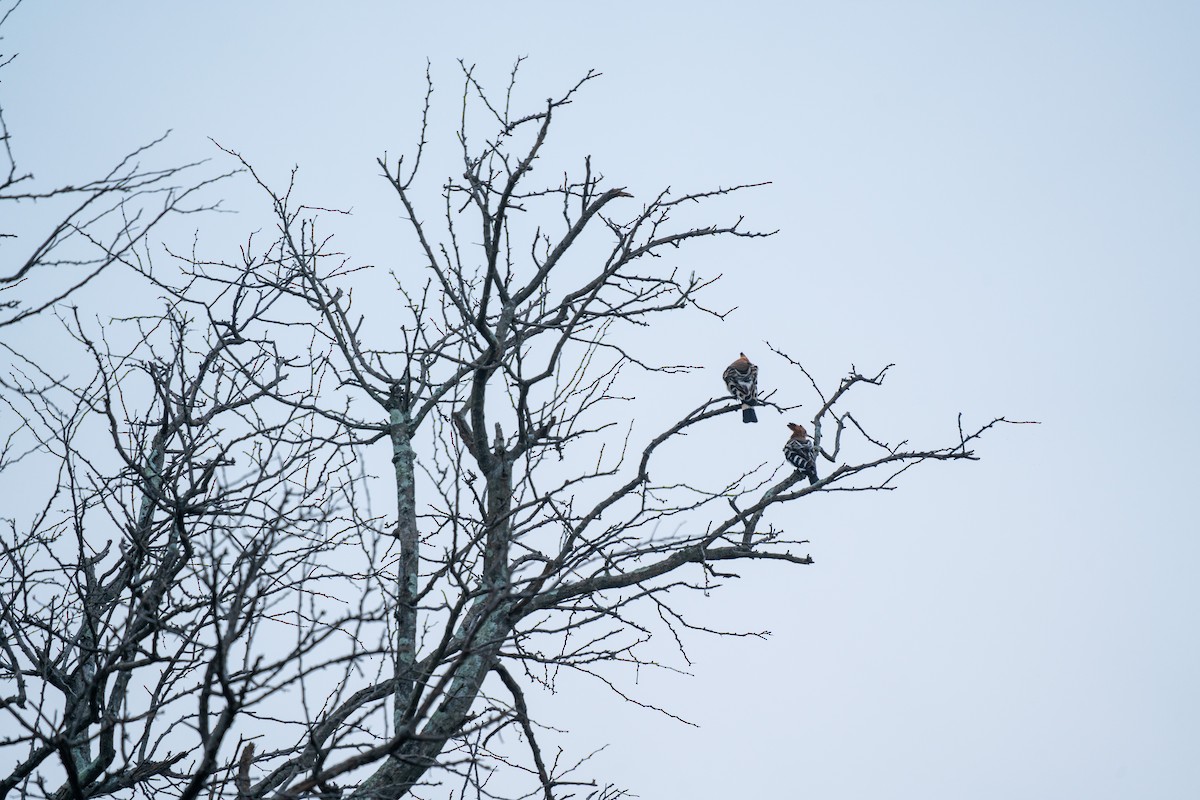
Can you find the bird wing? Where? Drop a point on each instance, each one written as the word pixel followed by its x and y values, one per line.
pixel 800 454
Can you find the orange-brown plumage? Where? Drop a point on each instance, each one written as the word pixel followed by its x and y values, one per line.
pixel 798 431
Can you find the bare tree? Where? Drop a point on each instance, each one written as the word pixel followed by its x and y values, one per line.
pixel 88 227
pixel 206 601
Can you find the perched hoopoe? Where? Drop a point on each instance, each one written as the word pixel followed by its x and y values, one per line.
pixel 741 379
pixel 801 452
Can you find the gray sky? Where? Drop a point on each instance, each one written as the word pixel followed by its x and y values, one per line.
pixel 1001 198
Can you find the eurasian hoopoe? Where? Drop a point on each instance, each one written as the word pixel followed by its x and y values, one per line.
pixel 801 452
pixel 741 379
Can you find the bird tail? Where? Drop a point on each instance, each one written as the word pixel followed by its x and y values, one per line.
pixel 812 476
pixel 748 414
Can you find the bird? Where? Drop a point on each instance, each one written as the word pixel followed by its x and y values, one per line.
pixel 801 452
pixel 741 379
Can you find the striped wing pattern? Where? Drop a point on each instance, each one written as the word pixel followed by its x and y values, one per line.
pixel 802 454
pixel 742 385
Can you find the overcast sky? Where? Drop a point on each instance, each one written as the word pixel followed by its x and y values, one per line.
pixel 1001 198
